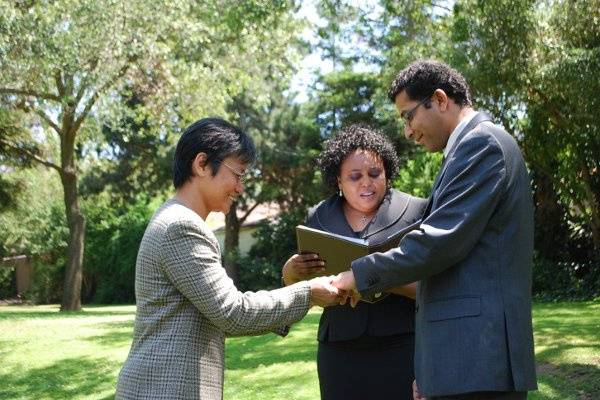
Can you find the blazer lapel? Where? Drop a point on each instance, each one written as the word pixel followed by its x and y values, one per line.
pixel 477 119
pixel 392 208
pixel 331 218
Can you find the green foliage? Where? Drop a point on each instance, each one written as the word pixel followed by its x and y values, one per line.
pixel 113 238
pixel 7 288
pixel 35 227
pixel 345 97
pixel 416 176
pixel 261 268
pixel 135 156
pixel 560 280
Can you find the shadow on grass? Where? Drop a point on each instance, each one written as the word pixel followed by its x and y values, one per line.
pixel 112 334
pixel 55 314
pixel 561 334
pixel 249 352
pixel 65 379
pixel 570 381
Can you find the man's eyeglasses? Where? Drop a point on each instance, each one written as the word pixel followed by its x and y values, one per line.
pixel 241 177
pixel 408 115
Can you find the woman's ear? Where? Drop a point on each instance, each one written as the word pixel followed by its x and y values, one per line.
pixel 199 165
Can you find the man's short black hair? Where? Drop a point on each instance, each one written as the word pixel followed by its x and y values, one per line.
pixel 217 138
pixel 421 78
pixel 345 142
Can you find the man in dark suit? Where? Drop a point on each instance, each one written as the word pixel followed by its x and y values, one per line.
pixel 472 253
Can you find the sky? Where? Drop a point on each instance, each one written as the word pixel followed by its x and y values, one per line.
pixel 312 64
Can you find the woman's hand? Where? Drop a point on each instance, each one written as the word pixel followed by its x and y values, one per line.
pixel 301 266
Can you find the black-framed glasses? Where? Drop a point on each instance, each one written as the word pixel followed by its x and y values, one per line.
pixel 408 115
pixel 241 177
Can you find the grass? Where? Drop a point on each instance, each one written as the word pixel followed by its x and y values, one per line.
pixel 50 355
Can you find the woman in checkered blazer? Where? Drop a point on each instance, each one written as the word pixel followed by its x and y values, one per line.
pixel 186 303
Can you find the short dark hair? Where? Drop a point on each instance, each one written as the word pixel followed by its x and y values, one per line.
pixel 421 78
pixel 217 138
pixel 349 139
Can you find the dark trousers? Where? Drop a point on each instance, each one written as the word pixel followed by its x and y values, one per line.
pixel 484 396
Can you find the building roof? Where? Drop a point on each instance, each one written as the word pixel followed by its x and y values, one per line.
pixel 216 220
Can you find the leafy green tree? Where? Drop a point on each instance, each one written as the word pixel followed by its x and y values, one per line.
pixel 64 63
pixel 345 97
pixel 534 65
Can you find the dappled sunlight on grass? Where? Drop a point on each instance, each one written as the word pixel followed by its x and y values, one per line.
pixel 567 339
pixel 271 367
pixel 51 355
pixel 47 354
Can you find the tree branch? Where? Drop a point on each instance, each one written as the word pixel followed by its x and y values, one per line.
pixel 49 121
pixel 30 155
pixel 95 96
pixel 248 212
pixel 442 7
pixel 59 83
pixel 31 93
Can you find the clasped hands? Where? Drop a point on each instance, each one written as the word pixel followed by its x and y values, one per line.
pixel 325 290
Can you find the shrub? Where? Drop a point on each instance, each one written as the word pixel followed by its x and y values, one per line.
pixel 276 242
pixel 113 236
pixel 560 280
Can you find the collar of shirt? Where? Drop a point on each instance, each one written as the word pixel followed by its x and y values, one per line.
pixel 456 132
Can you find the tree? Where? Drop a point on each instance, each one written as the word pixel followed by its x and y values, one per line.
pixel 63 63
pixel 535 67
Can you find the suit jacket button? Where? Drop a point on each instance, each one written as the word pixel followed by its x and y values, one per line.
pixel 372 281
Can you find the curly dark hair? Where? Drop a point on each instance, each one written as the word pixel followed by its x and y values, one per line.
pixel 421 78
pixel 349 139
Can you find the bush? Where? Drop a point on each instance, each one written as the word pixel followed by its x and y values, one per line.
pixel 7 287
pixel 276 242
pixel 417 175
pixel 553 281
pixel 113 236
pixel 46 285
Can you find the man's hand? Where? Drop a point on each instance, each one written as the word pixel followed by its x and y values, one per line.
pixel 345 281
pixel 416 394
pixel 322 292
pixel 301 266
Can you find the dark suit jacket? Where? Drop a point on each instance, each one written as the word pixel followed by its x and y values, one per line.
pixel 473 258
pixel 391 315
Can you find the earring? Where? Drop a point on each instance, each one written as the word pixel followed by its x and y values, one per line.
pixel 341 193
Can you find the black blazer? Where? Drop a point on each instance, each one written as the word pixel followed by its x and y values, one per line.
pixel 392 315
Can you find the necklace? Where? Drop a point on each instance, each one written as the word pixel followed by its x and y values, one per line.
pixel 357 220
pixel 364 219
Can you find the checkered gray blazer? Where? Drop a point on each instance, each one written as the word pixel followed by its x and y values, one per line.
pixel 186 305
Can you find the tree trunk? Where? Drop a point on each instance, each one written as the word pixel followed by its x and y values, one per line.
pixel 71 300
pixel 593 197
pixel 549 219
pixel 232 242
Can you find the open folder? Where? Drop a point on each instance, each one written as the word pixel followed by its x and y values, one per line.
pixel 339 251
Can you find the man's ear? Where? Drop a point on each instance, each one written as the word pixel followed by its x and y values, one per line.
pixel 199 165
pixel 440 97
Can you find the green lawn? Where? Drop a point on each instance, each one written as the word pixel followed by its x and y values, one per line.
pixel 45 354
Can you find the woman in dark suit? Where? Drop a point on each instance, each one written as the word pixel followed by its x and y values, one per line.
pixel 364 352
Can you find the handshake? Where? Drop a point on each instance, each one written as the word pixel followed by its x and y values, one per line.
pixel 332 290
pixel 325 290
